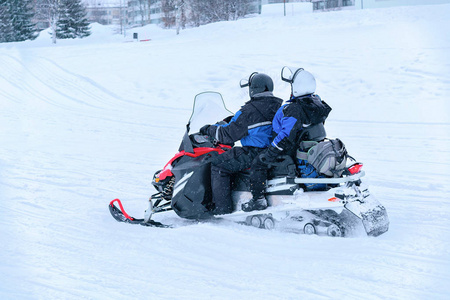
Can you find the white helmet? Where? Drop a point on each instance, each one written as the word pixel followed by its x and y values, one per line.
pixel 302 82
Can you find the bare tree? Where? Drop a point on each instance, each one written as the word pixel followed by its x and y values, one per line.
pixel 143 5
pixel 238 8
pixel 50 10
pixel 195 13
pixel 168 9
pixel 151 3
pixel 208 11
pixel 149 16
pixel 180 15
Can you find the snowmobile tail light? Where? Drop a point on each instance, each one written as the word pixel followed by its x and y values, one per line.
pixel 355 168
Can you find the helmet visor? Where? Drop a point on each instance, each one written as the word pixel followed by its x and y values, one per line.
pixel 288 73
pixel 244 83
pixel 247 82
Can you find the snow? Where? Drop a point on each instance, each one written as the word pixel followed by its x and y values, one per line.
pixel 86 121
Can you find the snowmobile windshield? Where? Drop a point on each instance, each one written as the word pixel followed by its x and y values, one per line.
pixel 209 108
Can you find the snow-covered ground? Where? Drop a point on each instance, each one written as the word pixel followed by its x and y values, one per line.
pixel 85 121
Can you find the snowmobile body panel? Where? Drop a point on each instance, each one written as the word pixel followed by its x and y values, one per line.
pixel 191 198
pixel 167 170
pixel 359 213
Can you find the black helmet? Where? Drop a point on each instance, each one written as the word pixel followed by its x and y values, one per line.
pixel 257 83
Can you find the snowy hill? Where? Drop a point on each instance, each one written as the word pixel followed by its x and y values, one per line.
pixel 86 121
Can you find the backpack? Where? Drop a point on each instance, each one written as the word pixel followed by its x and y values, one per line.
pixel 328 157
pixel 308 171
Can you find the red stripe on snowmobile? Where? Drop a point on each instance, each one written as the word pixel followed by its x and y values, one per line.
pixel 167 170
pixel 122 209
pixel 225 146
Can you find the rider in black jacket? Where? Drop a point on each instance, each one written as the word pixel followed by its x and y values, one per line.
pixel 252 125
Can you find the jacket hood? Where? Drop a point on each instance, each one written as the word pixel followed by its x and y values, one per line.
pixel 309 96
pixel 263 94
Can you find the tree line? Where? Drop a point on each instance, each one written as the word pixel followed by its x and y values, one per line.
pixel 187 13
pixel 67 19
pixel 182 13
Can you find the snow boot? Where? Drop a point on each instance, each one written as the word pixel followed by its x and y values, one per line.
pixel 255 204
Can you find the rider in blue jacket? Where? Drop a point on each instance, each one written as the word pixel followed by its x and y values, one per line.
pixel 252 126
pixel 303 109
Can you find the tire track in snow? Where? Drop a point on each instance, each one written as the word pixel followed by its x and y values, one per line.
pixel 42 79
pixel 33 84
pixel 26 88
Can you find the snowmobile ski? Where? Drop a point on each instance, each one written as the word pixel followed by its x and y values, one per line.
pixel 120 215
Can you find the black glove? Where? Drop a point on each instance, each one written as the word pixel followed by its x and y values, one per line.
pixel 269 155
pixel 204 130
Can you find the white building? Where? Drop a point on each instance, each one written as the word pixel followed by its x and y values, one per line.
pixel 389 3
pixel 332 4
pixel 107 12
pixel 319 5
pixel 142 12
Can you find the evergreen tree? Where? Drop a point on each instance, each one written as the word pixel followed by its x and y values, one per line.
pixel 6 31
pixel 72 21
pixel 16 21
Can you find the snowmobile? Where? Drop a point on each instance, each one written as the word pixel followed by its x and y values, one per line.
pixel 332 206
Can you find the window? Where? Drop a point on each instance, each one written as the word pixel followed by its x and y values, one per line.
pixel 347 2
pixel 318 5
pixel 332 3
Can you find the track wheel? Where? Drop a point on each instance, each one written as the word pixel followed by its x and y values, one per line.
pixel 256 221
pixel 269 223
pixel 334 230
pixel 309 229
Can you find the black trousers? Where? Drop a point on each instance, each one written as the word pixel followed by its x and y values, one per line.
pixel 222 168
pixel 258 178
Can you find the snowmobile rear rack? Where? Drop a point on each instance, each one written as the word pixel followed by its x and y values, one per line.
pixel 286 180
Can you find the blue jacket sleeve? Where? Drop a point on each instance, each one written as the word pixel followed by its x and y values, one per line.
pixel 229 133
pixel 287 126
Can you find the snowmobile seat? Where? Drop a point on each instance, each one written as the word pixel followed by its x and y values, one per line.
pixel 284 166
